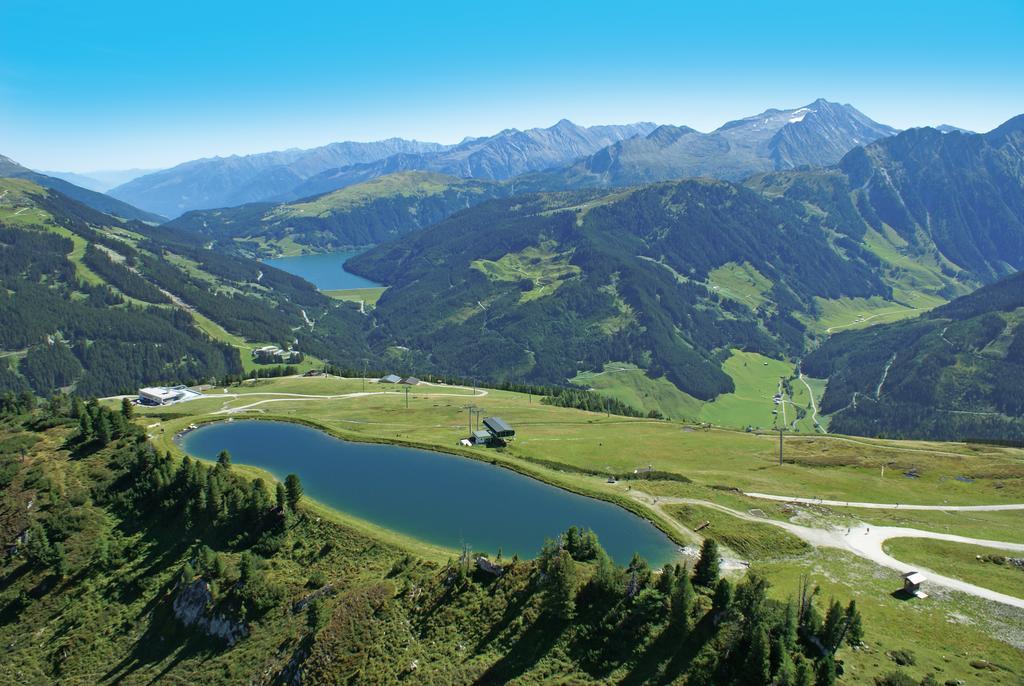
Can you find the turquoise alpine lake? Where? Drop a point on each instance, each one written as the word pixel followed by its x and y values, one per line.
pixel 442 499
pixel 325 271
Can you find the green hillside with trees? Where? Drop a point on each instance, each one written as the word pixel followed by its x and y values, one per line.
pixel 103 306
pixel 952 374
pixel 367 213
pixel 134 565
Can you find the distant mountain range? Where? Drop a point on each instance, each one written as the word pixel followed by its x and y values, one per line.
pixel 100 181
pixel 816 135
pixel 296 174
pixel 235 180
pixel 501 156
pixel 97 201
pixel 563 156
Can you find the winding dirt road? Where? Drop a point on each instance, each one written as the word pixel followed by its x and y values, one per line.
pixel 862 540
pixel 887 506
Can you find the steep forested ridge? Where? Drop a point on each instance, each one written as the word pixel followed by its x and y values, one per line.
pixel 952 374
pixel 90 302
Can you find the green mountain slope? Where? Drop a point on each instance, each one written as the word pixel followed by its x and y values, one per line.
pixel 674 277
pixel 952 374
pixel 102 306
pixel 367 213
pixel 135 566
pixel 97 201
pixel 539 288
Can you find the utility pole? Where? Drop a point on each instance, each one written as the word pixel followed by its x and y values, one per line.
pixel 470 409
pixel 365 362
pixel 407 397
pixel 780 447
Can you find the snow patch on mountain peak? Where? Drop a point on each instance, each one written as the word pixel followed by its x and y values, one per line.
pixel 798 115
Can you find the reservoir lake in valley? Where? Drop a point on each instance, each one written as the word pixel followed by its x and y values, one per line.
pixel 325 271
pixel 442 499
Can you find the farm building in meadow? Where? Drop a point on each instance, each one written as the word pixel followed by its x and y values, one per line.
pixel 410 381
pixel 480 437
pixel 390 378
pixel 499 428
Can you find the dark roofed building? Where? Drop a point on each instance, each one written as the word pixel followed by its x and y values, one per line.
pixel 498 427
pixel 410 381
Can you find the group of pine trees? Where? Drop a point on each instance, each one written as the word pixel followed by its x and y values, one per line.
pixel 729 633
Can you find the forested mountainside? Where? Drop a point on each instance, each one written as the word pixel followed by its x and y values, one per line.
pixel 101 306
pixel 97 201
pixel 133 566
pixel 817 134
pixel 673 276
pixel 537 287
pixel 954 373
pixel 235 180
pixel 371 212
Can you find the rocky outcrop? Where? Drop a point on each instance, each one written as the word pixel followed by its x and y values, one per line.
pixel 191 607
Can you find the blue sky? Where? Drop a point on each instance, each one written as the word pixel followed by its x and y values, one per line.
pixel 108 85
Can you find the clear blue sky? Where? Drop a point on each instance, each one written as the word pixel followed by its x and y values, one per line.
pixel 108 85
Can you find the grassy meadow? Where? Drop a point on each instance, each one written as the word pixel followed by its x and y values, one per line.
pixel 971 563
pixel 576 450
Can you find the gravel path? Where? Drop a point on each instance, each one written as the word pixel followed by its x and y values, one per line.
pixel 863 541
pixel 888 506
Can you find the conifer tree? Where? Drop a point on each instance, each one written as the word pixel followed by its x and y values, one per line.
pixel 723 596
pixel 561 586
pixel 854 625
pixel 826 673
pixel 705 572
pixel 59 560
pixel 104 433
pixel 757 665
pixel 293 487
pixel 683 600
pixel 85 427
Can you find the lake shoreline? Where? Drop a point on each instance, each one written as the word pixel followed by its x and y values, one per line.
pixel 325 270
pixel 534 472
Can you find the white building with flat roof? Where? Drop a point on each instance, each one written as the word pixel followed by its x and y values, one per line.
pixel 166 395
